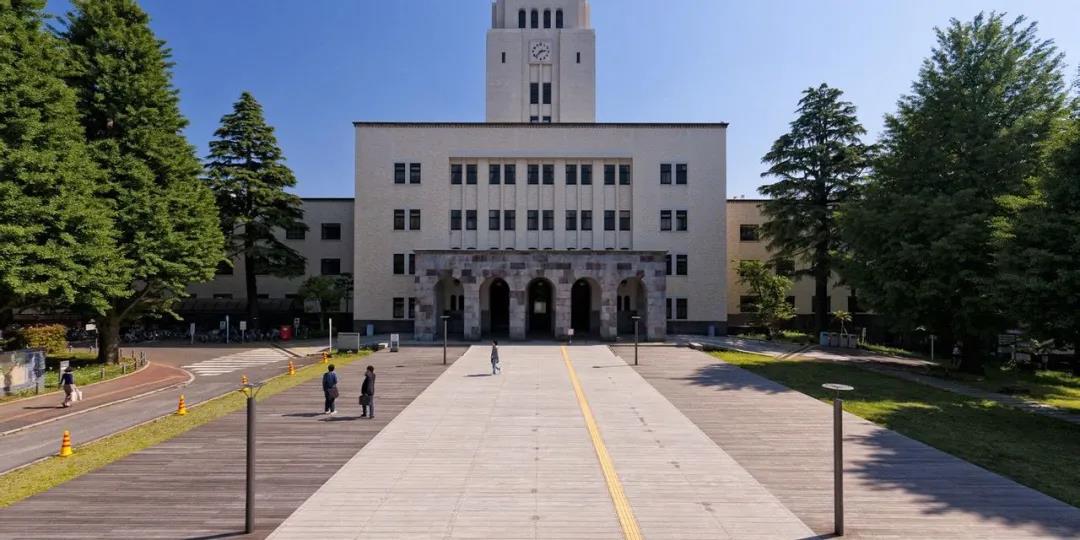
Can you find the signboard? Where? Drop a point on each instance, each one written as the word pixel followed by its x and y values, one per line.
pixel 296 322
pixel 243 325
pixel 221 325
pixel 349 341
pixel 90 327
pixel 22 370
pixel 395 342
pixel 64 364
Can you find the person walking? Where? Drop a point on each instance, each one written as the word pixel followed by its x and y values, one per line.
pixel 67 380
pixel 330 390
pixel 496 369
pixel 367 394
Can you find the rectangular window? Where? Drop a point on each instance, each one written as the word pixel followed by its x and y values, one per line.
pixel 399 220
pixel 667 264
pixel 399 308
pixel 549 175
pixel 571 220
pixel 680 265
pixel 547 119
pixel 814 303
pixel 534 93
pixel 493 220
pixel 586 220
pixel 558 18
pixel 509 220
pixel 624 220
pixel 668 312
pixel 549 220
pixel 509 174
pixel 748 233
pixel 470 173
pixel 785 267
pixel 624 175
pixel 665 220
pixel 853 303
pixel 609 220
pixel 680 220
pixel 414 173
pixel 547 93
pixel 224 269
pixel 455 173
pixel 609 175
pixel 790 300
pixel 223 296
pixel 455 220
pixel 504 57
pixel 412 308
pixel 331 231
pixel 680 308
pixel 533 218
pixel 494 174
pixel 534 173
pixel 534 18
pixel 399 173
pixel 296 233
pixel 412 264
pixel 470 220
pixel 330 267
pixel 414 220
pixel 748 304
pixel 399 263
pixel 547 18
pixel 680 173
pixel 665 173
pixel 534 119
pixel 579 57
pixel 586 175
pixel 571 175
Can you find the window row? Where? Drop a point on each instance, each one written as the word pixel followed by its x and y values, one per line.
pixel 399 307
pixel 414 220
pixel 533 17
pixel 680 220
pixel 749 303
pixel 327 267
pixel 400 266
pixel 535 220
pixel 680 308
pixel 680 266
pixel 537 173
pixel 330 231
pixel 413 173
pixel 680 173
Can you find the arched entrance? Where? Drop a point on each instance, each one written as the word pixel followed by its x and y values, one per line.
pixel 450 301
pixel 630 302
pixel 495 308
pixel 584 307
pixel 540 309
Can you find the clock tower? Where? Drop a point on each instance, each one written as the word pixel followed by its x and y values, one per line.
pixel 541 62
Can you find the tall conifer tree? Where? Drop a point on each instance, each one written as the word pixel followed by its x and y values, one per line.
pixel 55 234
pixel 166 219
pixel 819 165
pixel 957 154
pixel 247 172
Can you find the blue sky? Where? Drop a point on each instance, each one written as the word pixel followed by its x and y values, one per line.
pixel 318 65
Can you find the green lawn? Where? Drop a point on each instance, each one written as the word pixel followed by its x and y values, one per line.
pixel 54 471
pixel 1056 388
pixel 1036 451
pixel 85 368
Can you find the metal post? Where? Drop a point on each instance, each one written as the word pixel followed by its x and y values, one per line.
pixel 838 465
pixel 445 319
pixel 226 329
pixel 331 348
pixel 933 338
pixel 249 507
pixel 635 341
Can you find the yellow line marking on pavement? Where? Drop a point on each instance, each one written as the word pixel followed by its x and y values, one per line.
pixel 622 505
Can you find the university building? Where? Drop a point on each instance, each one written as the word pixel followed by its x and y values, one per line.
pixel 538 222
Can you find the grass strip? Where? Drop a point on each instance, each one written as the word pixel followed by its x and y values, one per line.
pixel 1040 452
pixel 46 474
pixel 85 374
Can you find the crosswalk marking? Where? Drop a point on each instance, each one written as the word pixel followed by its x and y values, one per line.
pixel 236 361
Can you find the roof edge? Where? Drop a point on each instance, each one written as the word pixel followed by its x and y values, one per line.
pixel 699 125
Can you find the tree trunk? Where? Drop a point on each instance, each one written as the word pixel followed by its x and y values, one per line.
pixel 821 310
pixel 252 287
pixel 108 329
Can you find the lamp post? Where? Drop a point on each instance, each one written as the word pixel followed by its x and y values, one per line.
pixel 637 319
pixel 445 319
pixel 838 455
pixel 250 390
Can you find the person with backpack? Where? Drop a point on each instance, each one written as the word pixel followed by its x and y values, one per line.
pixel 367 394
pixel 330 390
pixel 496 369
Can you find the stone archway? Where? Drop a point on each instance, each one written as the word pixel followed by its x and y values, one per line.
pixel 495 308
pixel 450 301
pixel 631 301
pixel 540 309
pixel 585 307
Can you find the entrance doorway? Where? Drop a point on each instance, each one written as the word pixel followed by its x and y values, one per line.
pixel 499 308
pixel 581 307
pixel 540 308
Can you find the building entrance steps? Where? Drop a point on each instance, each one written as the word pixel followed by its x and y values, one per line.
pixel 511 456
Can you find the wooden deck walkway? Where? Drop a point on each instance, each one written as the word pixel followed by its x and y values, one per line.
pixel 193 486
pixel 895 487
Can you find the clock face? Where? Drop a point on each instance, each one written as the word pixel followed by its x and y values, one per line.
pixel 540 51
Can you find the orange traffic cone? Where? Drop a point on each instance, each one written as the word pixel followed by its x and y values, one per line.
pixel 325 357
pixel 292 368
pixel 65 445
pixel 181 409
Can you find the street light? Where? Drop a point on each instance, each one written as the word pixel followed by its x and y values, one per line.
pixel 838 455
pixel 637 319
pixel 444 318
pixel 250 390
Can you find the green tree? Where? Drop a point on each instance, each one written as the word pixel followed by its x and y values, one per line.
pixel 168 230
pixel 957 154
pixel 55 233
pixel 247 173
pixel 1041 260
pixel 820 166
pixel 328 291
pixel 770 292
